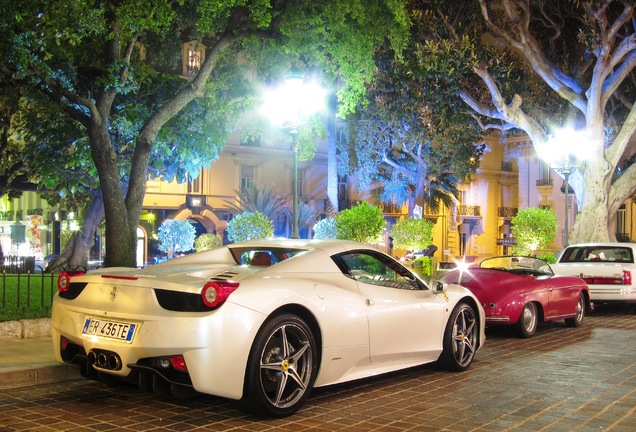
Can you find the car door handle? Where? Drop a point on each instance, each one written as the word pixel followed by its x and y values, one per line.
pixel 370 302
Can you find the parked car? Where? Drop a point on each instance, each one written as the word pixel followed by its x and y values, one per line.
pixel 608 269
pixel 523 291
pixel 313 313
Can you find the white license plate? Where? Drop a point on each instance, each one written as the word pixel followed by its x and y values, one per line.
pixel 109 329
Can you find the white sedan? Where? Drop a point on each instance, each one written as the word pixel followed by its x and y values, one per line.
pixel 609 269
pixel 263 322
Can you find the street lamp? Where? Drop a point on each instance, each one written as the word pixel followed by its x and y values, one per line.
pixel 289 107
pixel 565 152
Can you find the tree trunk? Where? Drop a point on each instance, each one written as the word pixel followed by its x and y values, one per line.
pixel 592 222
pixel 76 250
pixel 332 156
pixel 120 237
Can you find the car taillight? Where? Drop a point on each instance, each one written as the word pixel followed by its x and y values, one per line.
pixel 627 277
pixel 178 362
pixel 64 279
pixel 215 293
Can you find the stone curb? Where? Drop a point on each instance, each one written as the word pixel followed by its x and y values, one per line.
pixel 18 377
pixel 25 328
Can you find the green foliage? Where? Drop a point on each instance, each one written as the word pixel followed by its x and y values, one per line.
pixel 412 234
pixel 533 229
pixel 249 226
pixel 325 229
pixel 207 241
pixel 426 263
pixel 363 223
pixel 176 236
pixel 83 75
pixel 548 257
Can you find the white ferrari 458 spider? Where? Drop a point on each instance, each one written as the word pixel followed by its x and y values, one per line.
pixel 262 322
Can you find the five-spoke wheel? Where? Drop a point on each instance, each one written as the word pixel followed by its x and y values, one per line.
pixel 281 368
pixel 460 338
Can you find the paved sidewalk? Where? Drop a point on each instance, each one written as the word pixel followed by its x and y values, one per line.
pixel 30 361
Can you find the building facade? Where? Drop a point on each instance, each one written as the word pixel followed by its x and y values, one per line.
pixel 510 178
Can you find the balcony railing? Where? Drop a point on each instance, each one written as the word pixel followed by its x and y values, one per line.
pixel 391 208
pixel 469 210
pixel 506 166
pixel 507 212
pixel 347 204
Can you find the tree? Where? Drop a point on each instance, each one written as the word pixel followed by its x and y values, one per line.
pixel 15 168
pixel 249 226
pixel 538 66
pixel 409 138
pixel 325 229
pixel 175 236
pixel 260 198
pixel 86 56
pixel 207 241
pixel 533 229
pixel 363 223
pixel 305 215
pixel 412 234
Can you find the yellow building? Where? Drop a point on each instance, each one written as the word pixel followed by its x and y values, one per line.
pixel 510 178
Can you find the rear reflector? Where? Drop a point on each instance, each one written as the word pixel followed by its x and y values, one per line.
pixel 178 362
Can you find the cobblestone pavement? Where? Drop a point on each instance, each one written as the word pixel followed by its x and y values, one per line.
pixel 562 379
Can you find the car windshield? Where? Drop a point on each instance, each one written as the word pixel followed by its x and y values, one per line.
pixel 619 254
pixel 515 264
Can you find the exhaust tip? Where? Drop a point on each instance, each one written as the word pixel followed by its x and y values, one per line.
pixel 101 360
pixel 114 363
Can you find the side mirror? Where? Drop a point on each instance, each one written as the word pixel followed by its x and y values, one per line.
pixel 437 286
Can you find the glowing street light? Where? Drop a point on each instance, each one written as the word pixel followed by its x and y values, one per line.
pixel 565 152
pixel 289 106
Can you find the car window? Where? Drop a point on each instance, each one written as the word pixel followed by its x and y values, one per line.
pixel 617 254
pixel 376 269
pixel 263 256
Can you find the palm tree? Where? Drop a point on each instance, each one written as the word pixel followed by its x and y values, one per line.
pixel 438 190
pixel 263 199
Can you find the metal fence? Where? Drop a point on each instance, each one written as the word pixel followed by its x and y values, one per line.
pixel 17 264
pixel 25 295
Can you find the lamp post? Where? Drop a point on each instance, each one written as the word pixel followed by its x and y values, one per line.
pixel 293 132
pixel 565 152
pixel 565 171
pixel 289 106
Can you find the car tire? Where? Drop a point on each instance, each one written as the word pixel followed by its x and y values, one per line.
pixel 460 339
pixel 281 368
pixel 528 321
pixel 576 320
